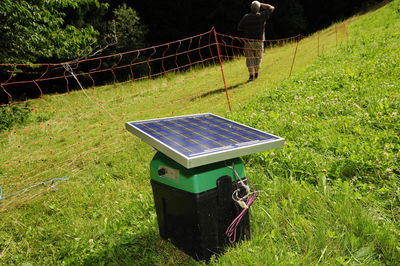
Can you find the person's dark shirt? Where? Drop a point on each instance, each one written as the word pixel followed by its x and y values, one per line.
pixel 253 24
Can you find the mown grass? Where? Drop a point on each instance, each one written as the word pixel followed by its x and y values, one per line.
pixel 331 194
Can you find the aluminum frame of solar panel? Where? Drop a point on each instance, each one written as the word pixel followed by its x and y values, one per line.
pixel 200 139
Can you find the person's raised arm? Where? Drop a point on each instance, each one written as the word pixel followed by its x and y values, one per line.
pixel 267 6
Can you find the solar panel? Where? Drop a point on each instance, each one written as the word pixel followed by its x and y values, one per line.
pixel 200 139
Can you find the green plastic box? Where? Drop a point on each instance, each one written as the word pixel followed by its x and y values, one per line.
pixel 195 180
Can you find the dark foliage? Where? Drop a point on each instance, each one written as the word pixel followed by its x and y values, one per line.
pixel 171 20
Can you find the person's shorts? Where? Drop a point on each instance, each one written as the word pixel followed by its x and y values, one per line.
pixel 253 50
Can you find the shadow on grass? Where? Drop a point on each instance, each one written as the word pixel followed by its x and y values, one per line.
pixel 217 91
pixel 146 248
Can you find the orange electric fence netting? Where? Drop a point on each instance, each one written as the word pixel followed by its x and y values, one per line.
pixel 66 128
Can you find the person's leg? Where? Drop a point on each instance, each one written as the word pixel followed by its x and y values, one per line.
pixel 260 51
pixel 251 75
pixel 249 53
pixel 252 59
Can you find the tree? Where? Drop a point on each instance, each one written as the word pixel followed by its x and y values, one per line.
pixel 126 29
pixel 321 14
pixel 287 20
pixel 35 30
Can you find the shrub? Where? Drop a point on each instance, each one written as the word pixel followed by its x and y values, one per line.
pixel 11 116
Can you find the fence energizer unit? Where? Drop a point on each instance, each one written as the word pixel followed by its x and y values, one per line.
pixel 194 175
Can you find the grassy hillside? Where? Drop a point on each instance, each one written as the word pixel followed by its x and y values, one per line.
pixel 331 195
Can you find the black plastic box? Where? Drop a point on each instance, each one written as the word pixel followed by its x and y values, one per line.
pixel 197 223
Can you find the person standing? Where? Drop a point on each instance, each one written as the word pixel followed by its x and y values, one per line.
pixel 253 27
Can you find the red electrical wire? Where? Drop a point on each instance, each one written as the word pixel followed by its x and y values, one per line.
pixel 232 228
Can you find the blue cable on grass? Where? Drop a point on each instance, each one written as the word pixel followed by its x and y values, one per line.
pixel 65 178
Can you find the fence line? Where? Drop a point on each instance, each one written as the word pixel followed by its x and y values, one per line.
pixel 128 66
pixel 160 57
pixel 68 133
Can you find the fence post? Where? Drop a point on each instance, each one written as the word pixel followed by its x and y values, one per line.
pixel 295 52
pixel 222 69
pixel 344 31
pixel 336 35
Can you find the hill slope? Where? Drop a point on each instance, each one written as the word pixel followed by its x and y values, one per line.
pixel 331 195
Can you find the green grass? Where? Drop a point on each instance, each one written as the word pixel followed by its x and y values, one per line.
pixel 331 196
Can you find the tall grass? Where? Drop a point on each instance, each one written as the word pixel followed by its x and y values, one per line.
pixel 332 194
